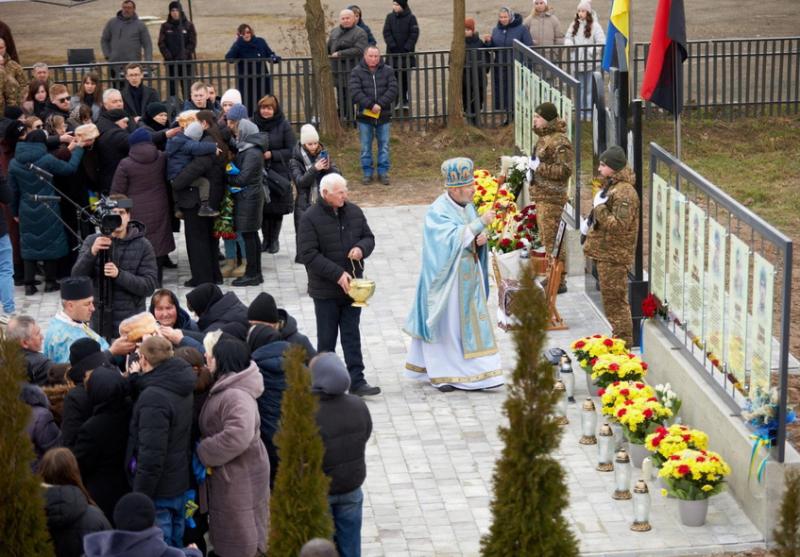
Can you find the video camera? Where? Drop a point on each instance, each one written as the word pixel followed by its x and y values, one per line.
pixel 105 218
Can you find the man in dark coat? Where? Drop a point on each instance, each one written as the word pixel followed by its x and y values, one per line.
pixel 112 145
pixel 24 330
pixel 177 41
pixel 346 44
pixel 131 269
pixel 401 33
pixel 159 444
pixel 135 95
pixel 374 89
pixel 334 240
pixel 84 356
pixel 215 309
pixel 264 311
pixel 345 426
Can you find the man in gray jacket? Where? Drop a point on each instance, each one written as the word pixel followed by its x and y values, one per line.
pixel 125 36
pixel 346 45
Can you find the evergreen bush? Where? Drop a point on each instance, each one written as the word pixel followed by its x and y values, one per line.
pixel 529 490
pixel 23 527
pixel 299 505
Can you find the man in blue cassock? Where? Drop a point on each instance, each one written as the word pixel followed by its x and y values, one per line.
pixel 453 344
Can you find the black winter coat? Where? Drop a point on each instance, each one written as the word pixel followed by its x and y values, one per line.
pixel 41 427
pixel 326 237
pixel 140 176
pixel 133 108
pixel 269 359
pixel 124 543
pixel 305 176
pixel 38 366
pixel 281 142
pixel 211 167
pixel 401 33
pixel 77 409
pixel 138 273
pixel 288 332
pixel 369 89
pixel 177 40
pixel 112 146
pixel 159 443
pixel 228 309
pixel 248 204
pixel 102 440
pixel 69 518
pixel 345 426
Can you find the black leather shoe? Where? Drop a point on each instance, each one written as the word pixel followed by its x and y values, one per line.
pixel 446 389
pixel 562 288
pixel 169 263
pixel 366 390
pixel 30 290
pixel 190 283
pixel 248 281
pixel 274 247
pixel 51 286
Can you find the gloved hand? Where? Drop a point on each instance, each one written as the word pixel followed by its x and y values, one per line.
pixel 275 59
pixel 198 468
pixel 533 164
pixel 600 198
pixel 584 226
pixel 232 170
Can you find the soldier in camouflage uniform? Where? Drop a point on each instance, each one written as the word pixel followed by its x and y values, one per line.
pixel 554 155
pixel 12 80
pixel 611 233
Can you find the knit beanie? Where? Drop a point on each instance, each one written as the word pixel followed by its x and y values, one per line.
pixel 36 136
pixel 237 112
pixel 614 158
pixel 203 297
pixel 134 512
pixel 329 374
pixel 154 109
pixel 548 111
pixel 84 354
pixel 176 6
pixel 403 4
pixel 141 135
pixel 194 131
pixel 584 5
pixel 469 23
pixel 308 134
pixel 263 308
pixel 231 95
pixel 235 329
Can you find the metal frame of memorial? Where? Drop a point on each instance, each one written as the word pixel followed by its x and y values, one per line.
pixel 538 80
pixel 723 319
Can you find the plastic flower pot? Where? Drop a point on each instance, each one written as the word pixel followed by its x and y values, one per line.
pixel 693 513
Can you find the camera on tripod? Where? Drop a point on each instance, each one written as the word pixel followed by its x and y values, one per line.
pixel 104 216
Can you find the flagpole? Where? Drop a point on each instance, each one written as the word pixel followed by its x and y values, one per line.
pixel 676 95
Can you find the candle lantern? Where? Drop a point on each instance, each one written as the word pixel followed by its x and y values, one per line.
pixel 605 449
pixel 622 476
pixel 561 403
pixel 641 507
pixel 565 370
pixel 588 423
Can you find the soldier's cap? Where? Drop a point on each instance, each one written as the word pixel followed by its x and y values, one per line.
pixel 614 158
pixel 458 172
pixel 548 111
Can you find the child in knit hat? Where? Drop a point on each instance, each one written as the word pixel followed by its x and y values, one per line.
pixel 181 150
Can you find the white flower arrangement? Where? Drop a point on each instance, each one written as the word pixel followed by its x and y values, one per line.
pixel 668 398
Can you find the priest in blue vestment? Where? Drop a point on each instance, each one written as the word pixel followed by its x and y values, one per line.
pixel 453 344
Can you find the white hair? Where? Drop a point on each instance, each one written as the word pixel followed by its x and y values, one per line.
pixel 347 11
pixel 329 181
pixel 38 65
pixel 20 328
pixel 210 340
pixel 108 92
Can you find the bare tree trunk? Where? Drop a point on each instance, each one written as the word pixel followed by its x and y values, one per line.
pixel 455 83
pixel 321 68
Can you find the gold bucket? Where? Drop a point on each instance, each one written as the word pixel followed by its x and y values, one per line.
pixel 361 289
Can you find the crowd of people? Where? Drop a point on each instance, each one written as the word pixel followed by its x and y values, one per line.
pixel 153 424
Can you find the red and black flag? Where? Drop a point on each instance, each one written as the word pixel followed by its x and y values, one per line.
pixel 663 74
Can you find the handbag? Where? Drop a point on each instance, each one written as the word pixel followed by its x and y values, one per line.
pixel 278 184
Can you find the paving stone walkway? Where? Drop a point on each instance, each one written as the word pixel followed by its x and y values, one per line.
pixel 431 456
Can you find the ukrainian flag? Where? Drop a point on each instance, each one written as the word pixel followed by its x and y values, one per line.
pixel 617 25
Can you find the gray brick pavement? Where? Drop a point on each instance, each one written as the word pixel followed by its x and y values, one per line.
pixel 431 456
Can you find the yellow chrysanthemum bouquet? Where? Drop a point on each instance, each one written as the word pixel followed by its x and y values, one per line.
pixel 587 349
pixel 635 407
pixel 667 441
pixel 694 474
pixel 608 368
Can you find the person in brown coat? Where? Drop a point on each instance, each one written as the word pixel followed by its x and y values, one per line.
pixel 141 176
pixel 236 493
pixel 611 233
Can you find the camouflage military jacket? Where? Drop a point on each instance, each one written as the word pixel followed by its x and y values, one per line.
pixel 616 223
pixel 13 83
pixel 554 150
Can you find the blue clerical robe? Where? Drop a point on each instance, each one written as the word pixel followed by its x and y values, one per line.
pixel 61 333
pixel 448 264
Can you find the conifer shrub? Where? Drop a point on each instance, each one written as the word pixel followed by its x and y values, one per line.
pixel 23 527
pixel 787 535
pixel 530 494
pixel 299 508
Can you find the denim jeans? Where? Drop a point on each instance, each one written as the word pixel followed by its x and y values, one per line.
pixel 230 247
pixel 346 511
pixel 170 518
pixel 366 134
pixel 333 316
pixel 6 275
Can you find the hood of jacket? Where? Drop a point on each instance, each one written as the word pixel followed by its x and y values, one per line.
pixel 174 375
pixel 269 359
pixel 65 504
pixel 260 335
pixel 32 395
pixel 258 139
pixel 27 152
pixel 249 380
pixel 218 309
pixel 124 19
pixel 288 324
pixel 106 386
pixel 144 153
pixel 124 543
pixel 516 21
pixel 136 230
pixel 625 175
pixel 555 126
